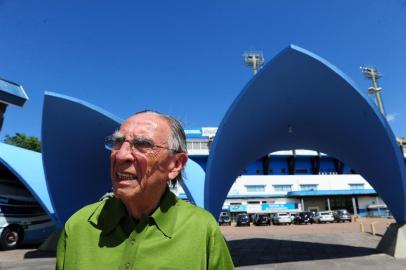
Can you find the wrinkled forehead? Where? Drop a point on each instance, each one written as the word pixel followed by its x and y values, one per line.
pixel 144 125
pixel 138 125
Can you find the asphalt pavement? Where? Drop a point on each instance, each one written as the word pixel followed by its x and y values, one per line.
pixel 334 246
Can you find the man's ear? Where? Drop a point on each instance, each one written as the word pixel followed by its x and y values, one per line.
pixel 178 163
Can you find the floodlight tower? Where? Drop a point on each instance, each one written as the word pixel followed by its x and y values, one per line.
pixel 254 60
pixel 373 74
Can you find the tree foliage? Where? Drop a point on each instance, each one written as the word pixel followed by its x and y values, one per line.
pixel 23 141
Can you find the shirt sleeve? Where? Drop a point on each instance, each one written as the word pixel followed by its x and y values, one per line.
pixel 219 257
pixel 60 251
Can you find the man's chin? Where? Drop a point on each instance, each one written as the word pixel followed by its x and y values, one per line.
pixel 120 192
pixel 123 193
pixel 117 194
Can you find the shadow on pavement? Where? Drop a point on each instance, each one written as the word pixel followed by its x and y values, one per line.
pixel 255 251
pixel 35 254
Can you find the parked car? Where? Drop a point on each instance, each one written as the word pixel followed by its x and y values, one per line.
pixel 303 218
pixel 243 220
pixel 224 219
pixel 293 215
pixel 342 215
pixel 281 218
pixel 323 217
pixel 261 219
pixel 251 216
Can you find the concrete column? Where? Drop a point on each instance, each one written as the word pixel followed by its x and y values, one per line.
pixel 302 202
pixel 354 206
pixel 328 204
pixel 394 241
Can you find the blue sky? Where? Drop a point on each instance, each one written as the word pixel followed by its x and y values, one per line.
pixel 184 58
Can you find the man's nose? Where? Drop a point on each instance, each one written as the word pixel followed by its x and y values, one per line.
pixel 124 152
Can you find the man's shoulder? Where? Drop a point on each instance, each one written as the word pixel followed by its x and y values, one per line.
pixel 86 212
pixel 195 213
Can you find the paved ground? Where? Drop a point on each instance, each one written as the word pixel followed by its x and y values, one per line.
pixel 317 246
pixel 307 251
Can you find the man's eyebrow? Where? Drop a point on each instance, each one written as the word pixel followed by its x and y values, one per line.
pixel 118 134
pixel 142 139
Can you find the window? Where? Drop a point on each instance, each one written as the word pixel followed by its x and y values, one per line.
pixel 204 146
pixel 356 186
pixel 308 187
pixel 301 171
pixel 253 202
pixel 197 145
pixel 255 188
pixel 279 188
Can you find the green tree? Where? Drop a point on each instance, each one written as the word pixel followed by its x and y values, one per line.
pixel 23 141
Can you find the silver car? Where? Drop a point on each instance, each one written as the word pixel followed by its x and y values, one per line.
pixel 342 215
pixel 323 217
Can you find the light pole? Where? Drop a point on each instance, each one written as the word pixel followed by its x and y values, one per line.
pixel 254 60
pixel 374 75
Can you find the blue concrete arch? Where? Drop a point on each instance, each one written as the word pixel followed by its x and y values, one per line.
pixel 76 164
pixel 300 101
pixel 193 182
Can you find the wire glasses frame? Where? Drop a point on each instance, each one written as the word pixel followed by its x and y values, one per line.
pixel 113 142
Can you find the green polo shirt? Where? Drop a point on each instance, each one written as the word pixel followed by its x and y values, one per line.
pixel 177 235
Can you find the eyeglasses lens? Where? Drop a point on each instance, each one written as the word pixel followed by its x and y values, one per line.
pixel 111 143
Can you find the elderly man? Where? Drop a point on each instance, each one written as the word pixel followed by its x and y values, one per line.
pixel 144 226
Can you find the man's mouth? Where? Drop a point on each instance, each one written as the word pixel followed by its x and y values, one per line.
pixel 125 176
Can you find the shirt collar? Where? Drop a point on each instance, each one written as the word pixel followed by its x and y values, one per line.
pixel 108 217
pixel 165 215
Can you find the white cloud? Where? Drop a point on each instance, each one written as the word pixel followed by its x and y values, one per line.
pixel 391 116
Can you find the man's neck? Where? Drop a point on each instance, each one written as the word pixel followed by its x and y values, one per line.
pixel 143 207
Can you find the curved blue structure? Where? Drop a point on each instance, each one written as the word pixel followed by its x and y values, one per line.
pixel 193 182
pixel 317 107
pixel 76 164
pixel 26 165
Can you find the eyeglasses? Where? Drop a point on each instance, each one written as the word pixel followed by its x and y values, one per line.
pixel 142 145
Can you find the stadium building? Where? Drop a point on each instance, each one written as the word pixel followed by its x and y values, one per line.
pixel 290 181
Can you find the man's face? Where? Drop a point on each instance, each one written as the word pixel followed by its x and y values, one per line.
pixel 138 174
